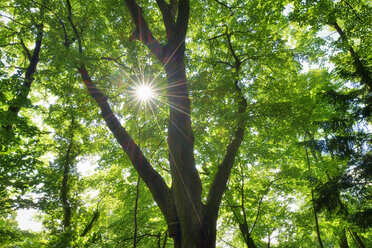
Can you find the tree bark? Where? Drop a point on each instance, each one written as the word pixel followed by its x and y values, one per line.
pixel 250 243
pixel 195 224
pixel 67 163
pixel 186 184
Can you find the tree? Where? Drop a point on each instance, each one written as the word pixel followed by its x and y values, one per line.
pixel 186 186
pixel 20 52
pixel 190 222
pixel 242 58
pixel 343 136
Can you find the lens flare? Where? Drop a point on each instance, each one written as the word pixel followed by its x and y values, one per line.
pixel 144 92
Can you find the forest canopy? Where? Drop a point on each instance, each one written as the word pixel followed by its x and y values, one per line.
pixel 219 123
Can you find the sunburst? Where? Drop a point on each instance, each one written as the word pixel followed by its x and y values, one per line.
pixel 144 92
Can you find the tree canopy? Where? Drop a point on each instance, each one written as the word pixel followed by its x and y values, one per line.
pixel 208 123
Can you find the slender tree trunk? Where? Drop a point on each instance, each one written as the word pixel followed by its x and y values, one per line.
pixel 357 239
pixel 246 235
pixel 316 219
pixel 312 199
pixel 135 213
pixel 66 235
pixel 343 240
pixel 64 189
pixel 165 240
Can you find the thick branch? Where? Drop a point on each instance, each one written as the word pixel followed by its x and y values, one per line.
pixel 222 175
pixel 142 32
pixel 66 43
pixel 231 49
pixel 361 70
pixel 220 180
pixel 29 56
pixel 182 19
pixel 357 239
pixel 90 224
pixel 153 180
pixel 93 220
pixel 243 197
pixel 69 17
pixel 28 79
pixel 34 58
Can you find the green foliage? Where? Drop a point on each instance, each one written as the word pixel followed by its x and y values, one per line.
pixel 306 149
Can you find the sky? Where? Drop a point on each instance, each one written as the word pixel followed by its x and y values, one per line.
pixel 26 220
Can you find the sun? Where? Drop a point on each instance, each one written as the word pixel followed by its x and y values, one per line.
pixel 144 92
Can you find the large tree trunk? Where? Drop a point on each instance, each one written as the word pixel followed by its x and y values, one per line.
pixel 186 184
